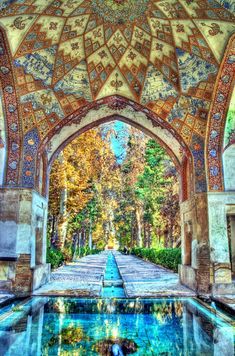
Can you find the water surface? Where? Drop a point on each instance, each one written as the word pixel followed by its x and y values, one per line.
pixel 72 326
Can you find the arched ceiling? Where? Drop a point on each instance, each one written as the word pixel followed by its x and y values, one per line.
pixel 162 54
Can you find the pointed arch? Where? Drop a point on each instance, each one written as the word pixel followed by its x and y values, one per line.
pixel 119 108
pixel 217 119
pixel 10 103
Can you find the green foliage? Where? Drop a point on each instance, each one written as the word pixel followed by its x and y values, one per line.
pixel 69 336
pixel 229 134
pixel 17 308
pixel 84 251
pixel 167 257
pixel 54 257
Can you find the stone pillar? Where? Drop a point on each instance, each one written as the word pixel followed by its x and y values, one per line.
pixel 195 269
pixel 23 218
pixel 231 232
pixel 229 168
pixel 219 205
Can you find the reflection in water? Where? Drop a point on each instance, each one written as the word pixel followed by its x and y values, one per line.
pixel 70 326
pixel 115 347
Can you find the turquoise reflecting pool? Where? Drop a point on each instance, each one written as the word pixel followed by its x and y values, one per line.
pixel 72 326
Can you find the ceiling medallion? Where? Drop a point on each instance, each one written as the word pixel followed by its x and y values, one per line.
pixel 119 1
pixel 120 12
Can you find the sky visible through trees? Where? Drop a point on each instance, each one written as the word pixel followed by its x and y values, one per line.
pixel 119 139
pixel 113 186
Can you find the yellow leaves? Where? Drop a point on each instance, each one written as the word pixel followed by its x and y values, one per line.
pixel 85 161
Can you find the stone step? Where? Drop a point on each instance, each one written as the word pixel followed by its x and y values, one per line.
pixel 115 283
pixel 6 285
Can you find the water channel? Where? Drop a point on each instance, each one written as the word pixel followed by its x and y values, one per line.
pixel 112 284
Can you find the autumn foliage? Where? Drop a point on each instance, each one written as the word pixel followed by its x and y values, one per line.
pixel 99 198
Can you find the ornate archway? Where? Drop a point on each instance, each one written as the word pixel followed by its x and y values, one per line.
pixel 217 118
pixel 118 108
pixel 66 68
pixel 220 201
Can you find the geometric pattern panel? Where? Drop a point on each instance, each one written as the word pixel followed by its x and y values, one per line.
pixel 162 54
pixel 113 36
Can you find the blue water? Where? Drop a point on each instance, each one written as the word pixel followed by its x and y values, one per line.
pixel 111 272
pixel 70 326
pixel 112 280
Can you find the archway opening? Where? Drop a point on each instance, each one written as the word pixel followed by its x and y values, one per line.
pixel 112 187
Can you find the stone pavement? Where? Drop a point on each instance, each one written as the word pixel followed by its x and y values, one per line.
pixel 226 301
pixel 5 296
pixel 145 279
pixel 141 279
pixel 83 277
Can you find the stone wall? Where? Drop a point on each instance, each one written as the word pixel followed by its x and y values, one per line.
pixel 205 217
pixel 218 206
pixel 23 219
pixel 194 225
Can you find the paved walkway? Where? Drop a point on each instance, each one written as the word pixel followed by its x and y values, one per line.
pixel 81 278
pixel 145 279
pixel 140 279
pixel 5 297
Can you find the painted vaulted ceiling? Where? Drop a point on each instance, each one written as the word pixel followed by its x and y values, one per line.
pixel 162 54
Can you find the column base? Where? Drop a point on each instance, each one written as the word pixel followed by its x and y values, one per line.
pixel 195 279
pixel 28 279
pixel 223 289
pixel 41 275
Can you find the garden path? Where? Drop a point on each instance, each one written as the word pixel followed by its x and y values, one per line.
pixel 140 278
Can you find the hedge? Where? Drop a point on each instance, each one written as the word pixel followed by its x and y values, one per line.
pixel 84 251
pixel 54 257
pixel 167 257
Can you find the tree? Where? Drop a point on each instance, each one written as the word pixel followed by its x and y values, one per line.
pixel 98 196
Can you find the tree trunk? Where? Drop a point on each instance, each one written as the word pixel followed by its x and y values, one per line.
pixel 149 234
pixel 75 247
pixel 52 229
pixel 62 223
pixel 79 242
pixel 90 236
pixel 138 226
pixel 165 237
pixel 132 233
pixel 145 235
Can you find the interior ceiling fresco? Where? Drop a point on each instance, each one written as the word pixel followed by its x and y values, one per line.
pixel 164 55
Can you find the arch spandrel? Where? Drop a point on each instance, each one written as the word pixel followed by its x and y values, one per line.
pixel 118 108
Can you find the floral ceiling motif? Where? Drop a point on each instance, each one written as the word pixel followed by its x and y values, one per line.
pixel 164 55
pixel 119 12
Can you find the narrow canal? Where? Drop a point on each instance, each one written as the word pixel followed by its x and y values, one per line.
pixel 113 284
